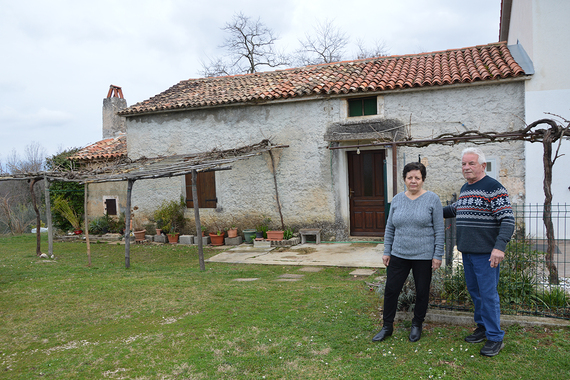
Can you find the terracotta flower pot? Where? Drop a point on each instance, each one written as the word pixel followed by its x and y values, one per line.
pixel 139 235
pixel 217 239
pixel 173 238
pixel 232 232
pixel 275 235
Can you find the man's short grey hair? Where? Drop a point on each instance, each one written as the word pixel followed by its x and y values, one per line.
pixel 476 151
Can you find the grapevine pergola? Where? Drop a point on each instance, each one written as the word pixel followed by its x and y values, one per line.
pixel 139 169
pixel 555 132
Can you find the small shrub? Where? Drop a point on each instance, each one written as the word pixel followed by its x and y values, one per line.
pixel 554 297
pixel 288 233
pixel 170 215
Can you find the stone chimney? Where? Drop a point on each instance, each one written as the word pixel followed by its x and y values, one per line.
pixel 113 124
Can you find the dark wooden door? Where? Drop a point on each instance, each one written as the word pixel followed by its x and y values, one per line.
pixel 366 191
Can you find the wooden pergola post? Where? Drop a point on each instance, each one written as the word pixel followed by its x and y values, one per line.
pixel 48 216
pixel 130 183
pixel 197 219
pixel 86 222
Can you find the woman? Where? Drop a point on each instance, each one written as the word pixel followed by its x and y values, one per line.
pixel 413 240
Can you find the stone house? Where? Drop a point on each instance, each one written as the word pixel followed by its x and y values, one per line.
pixel 331 175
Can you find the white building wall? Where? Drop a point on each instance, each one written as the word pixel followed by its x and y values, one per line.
pixel 541 28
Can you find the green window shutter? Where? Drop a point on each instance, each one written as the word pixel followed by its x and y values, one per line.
pixel 370 106
pixel 355 107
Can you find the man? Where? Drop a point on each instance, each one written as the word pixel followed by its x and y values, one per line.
pixel 485 224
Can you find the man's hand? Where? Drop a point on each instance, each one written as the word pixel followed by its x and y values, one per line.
pixel 386 260
pixel 496 257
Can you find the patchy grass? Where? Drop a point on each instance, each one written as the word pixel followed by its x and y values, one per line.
pixel 165 319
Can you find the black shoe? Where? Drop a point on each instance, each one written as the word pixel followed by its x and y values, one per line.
pixel 492 348
pixel 383 334
pixel 477 336
pixel 415 333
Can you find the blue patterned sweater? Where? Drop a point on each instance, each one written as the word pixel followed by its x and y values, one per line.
pixel 484 217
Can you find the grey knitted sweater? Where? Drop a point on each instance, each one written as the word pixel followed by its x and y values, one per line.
pixel 415 229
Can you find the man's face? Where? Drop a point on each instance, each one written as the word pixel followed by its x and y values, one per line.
pixel 473 171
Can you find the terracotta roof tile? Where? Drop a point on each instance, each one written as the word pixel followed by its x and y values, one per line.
pixel 467 65
pixel 105 149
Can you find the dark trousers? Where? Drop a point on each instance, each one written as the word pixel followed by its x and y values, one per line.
pixel 397 273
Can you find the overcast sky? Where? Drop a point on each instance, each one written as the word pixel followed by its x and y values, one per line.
pixel 58 57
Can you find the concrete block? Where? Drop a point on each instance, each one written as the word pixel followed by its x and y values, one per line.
pixel 160 238
pixel 148 237
pixel 261 244
pixel 233 241
pixel 186 239
pixel 286 243
pixel 205 240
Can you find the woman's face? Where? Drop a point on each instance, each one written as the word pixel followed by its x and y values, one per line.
pixel 414 181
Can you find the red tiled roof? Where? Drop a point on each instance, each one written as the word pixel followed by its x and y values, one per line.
pixel 109 148
pixel 467 65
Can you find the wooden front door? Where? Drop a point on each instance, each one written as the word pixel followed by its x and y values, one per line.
pixel 366 191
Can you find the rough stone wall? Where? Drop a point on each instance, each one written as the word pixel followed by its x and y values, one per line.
pixel 113 124
pixel 97 191
pixel 311 179
pixel 247 192
pixel 497 108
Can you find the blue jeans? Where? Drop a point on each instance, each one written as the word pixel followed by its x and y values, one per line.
pixel 482 281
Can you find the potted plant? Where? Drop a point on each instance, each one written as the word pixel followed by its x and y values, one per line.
pixel 170 217
pixel 232 231
pixel 172 236
pixel 262 228
pixel 249 235
pixel 217 238
pixel 275 235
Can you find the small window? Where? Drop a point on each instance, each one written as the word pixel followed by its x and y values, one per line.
pixel 491 168
pixel 362 107
pixel 206 186
pixel 111 206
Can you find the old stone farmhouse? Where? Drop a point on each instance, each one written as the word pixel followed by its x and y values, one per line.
pixel 346 192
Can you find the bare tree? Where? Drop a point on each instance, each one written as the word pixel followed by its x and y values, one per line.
pixel 379 49
pixel 251 47
pixel 33 161
pixel 325 44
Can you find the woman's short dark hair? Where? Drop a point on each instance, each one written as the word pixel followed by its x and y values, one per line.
pixel 415 166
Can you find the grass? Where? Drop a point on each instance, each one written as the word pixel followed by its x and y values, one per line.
pixel 165 319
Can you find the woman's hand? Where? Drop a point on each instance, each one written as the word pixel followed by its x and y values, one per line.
pixel 386 260
pixel 435 263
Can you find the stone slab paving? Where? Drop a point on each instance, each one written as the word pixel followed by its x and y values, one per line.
pixel 245 279
pixel 311 269
pixel 363 272
pixel 325 254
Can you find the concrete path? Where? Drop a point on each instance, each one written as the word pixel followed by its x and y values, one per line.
pixel 355 255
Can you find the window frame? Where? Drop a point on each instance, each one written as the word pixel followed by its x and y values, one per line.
pixel 362 102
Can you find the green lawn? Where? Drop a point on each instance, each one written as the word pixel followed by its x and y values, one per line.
pixel 165 319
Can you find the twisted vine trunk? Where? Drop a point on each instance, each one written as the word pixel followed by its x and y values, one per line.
pixel 547 212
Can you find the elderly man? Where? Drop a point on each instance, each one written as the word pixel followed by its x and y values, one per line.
pixel 485 224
